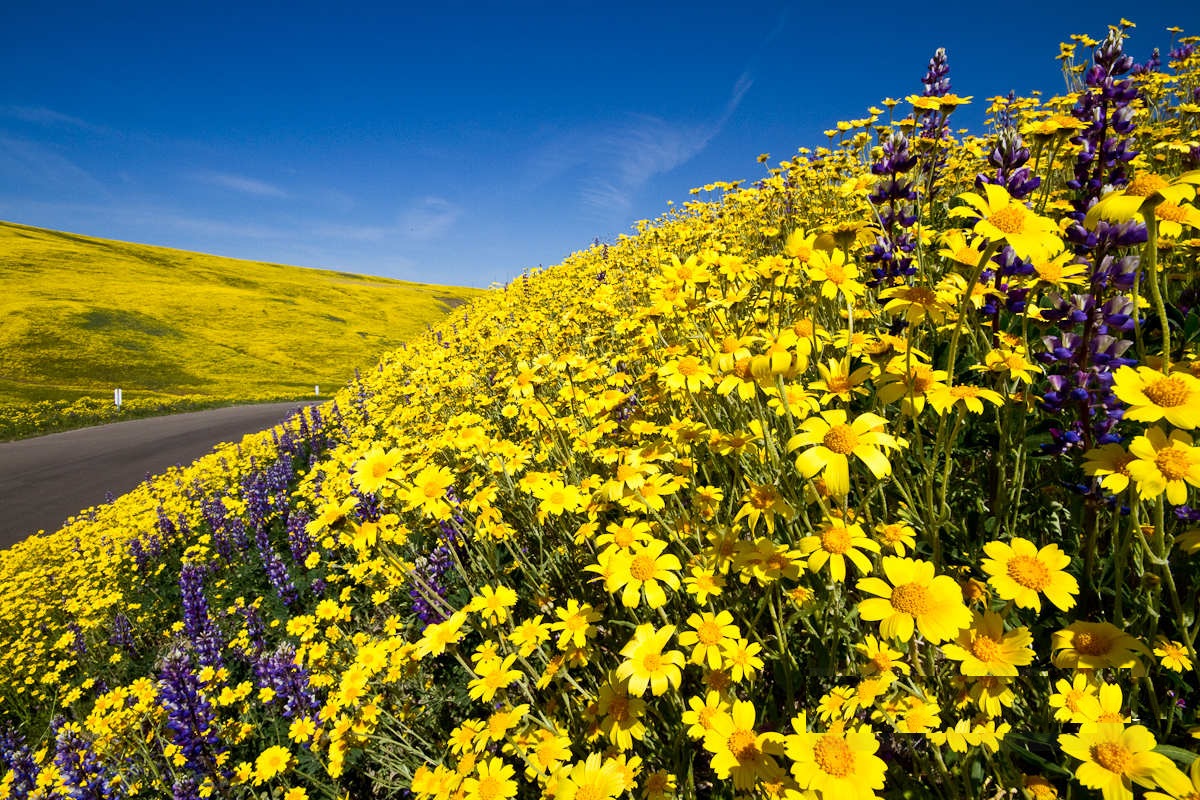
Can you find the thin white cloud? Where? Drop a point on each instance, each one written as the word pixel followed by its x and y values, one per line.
pixel 428 218
pixel 48 117
pixel 240 183
pixel 36 165
pixel 647 146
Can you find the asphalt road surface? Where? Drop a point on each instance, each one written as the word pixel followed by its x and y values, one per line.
pixel 44 481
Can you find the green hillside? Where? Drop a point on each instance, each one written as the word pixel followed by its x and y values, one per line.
pixel 80 316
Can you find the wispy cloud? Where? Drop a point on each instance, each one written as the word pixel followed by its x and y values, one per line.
pixel 38 166
pixel 646 146
pixel 240 183
pixel 48 117
pixel 428 218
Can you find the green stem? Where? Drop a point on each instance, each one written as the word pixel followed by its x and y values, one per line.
pixel 952 355
pixel 1150 265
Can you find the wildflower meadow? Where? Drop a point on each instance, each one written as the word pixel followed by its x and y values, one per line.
pixel 875 477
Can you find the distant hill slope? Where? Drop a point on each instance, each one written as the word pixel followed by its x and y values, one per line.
pixel 80 315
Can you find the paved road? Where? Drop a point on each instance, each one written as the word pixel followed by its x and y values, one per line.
pixel 44 481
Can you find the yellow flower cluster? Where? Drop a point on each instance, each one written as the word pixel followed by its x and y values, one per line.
pixel 715 509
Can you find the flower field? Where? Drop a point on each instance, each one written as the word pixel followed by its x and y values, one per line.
pixel 875 478
pixel 176 330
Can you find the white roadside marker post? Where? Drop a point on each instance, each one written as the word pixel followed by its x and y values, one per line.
pixel 117 399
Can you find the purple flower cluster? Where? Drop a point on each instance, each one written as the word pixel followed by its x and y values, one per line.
pixel 190 716
pixel 197 625
pixel 17 757
pixel 300 544
pixel 84 775
pixel 120 632
pixel 429 571
pixel 294 694
pixel 1010 158
pixel 1106 106
pixel 893 198
pixel 146 552
pixel 1090 343
pixel 933 127
pixel 277 571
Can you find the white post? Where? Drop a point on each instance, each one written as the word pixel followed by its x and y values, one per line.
pixel 117 397
pixel 317 390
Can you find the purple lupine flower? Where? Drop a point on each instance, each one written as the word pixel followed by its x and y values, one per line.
pixel 258 499
pixel 84 775
pixel 893 197
pixel 17 757
pixel 197 625
pixel 1010 158
pixel 190 715
pixel 185 788
pixel 276 570
pixel 1152 64
pixel 933 127
pixel 429 571
pixel 299 542
pixel 294 694
pixel 368 508
pixel 1081 359
pixel 937 78
pixel 146 552
pixel 78 644
pixel 120 632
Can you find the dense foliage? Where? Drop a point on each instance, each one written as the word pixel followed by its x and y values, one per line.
pixel 875 478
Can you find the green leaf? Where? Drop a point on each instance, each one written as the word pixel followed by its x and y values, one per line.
pixel 1178 754
pixel 1021 745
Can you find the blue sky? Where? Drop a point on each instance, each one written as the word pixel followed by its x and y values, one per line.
pixel 462 142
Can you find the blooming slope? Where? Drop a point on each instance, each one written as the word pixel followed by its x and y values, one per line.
pixel 819 488
pixel 83 316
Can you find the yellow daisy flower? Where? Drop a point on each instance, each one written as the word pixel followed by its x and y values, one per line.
pixel 881 658
pixel 740 753
pixel 838 763
pixel 833 544
pixel 915 598
pixel 1001 218
pixel 1096 645
pixel 986 649
pixel 1115 757
pixel 1152 396
pixel 493 780
pixel 1076 700
pixel 1163 464
pixel 273 761
pixel 942 397
pixel 1108 463
pixel 1020 572
pixel 646 665
pixel 836 274
pixel 642 571
pixel 1173 655
pixel 596 778
pixel 830 440
pixel 710 632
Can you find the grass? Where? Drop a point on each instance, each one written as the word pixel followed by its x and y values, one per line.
pixel 80 316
